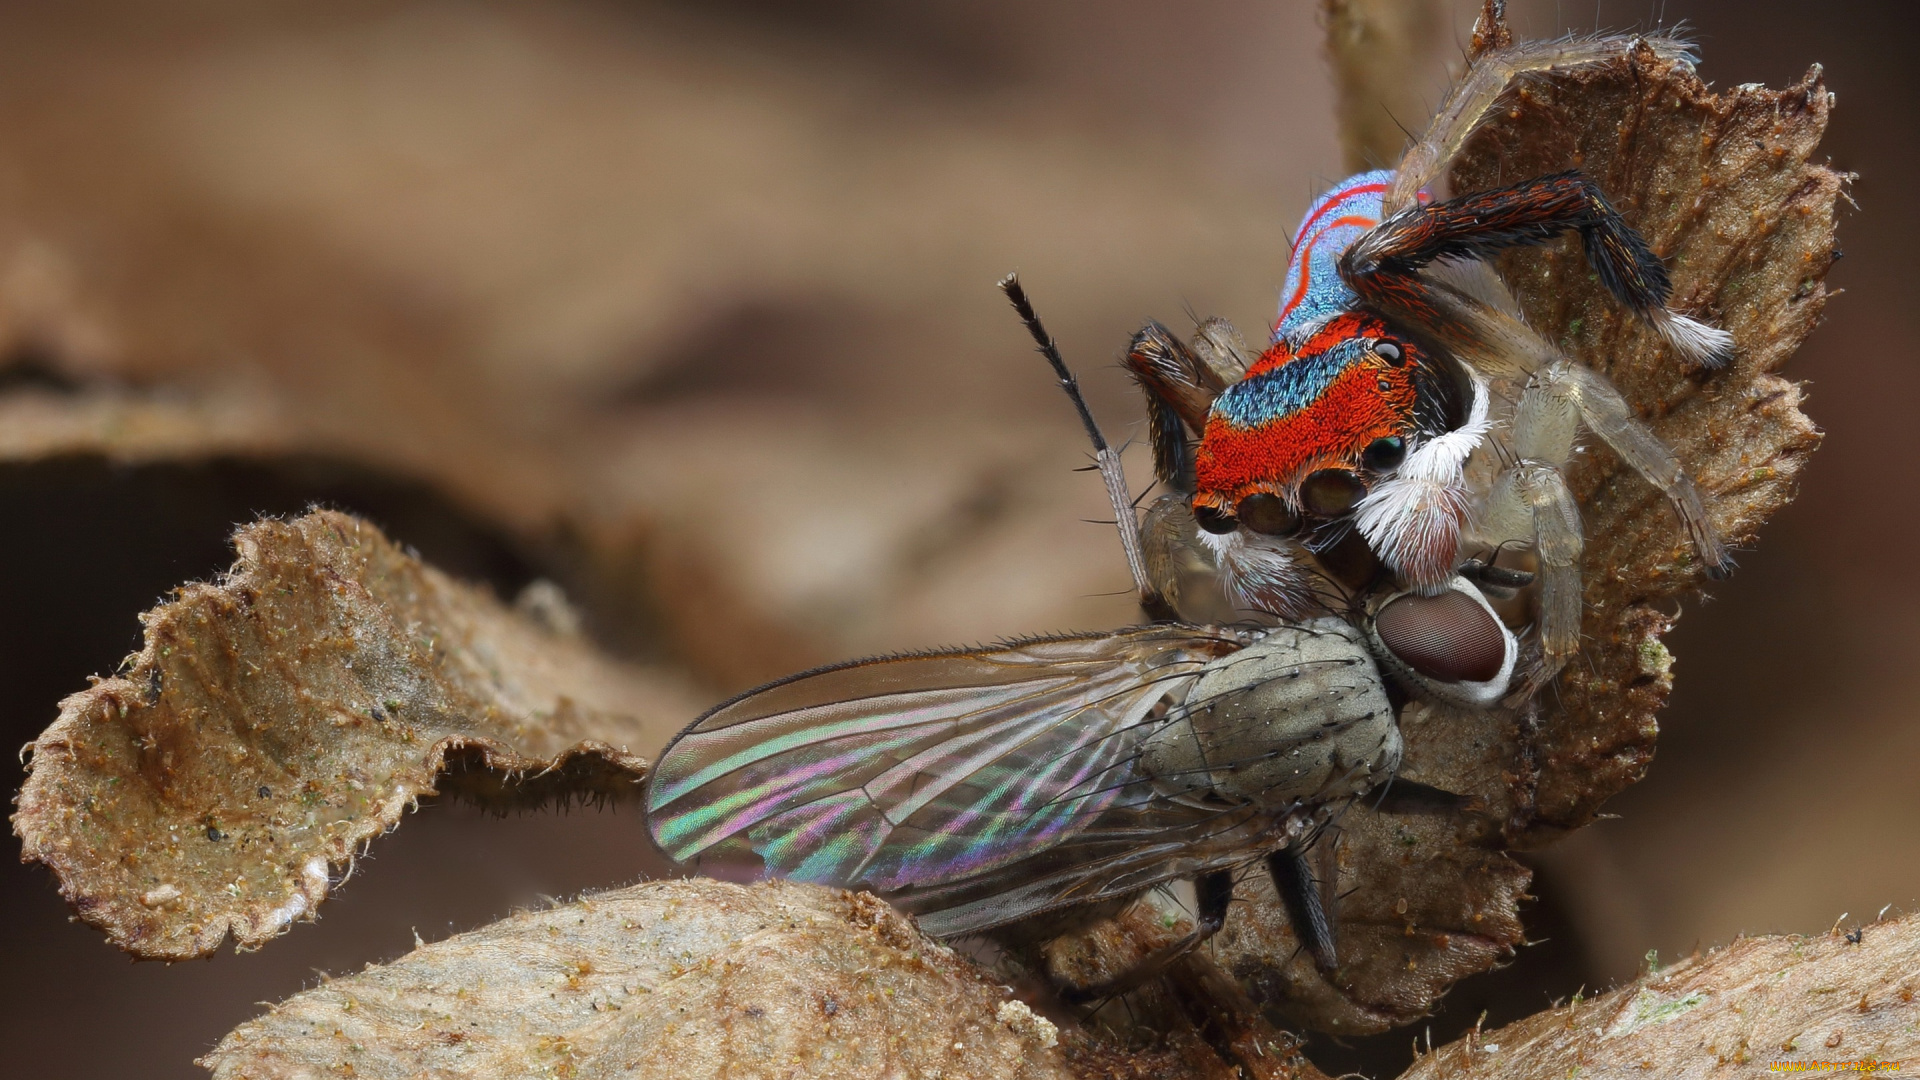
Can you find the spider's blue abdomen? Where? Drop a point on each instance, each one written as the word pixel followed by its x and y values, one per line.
pixel 1314 291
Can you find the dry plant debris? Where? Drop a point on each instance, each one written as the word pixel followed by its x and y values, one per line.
pixel 1757 1001
pixel 687 979
pixel 708 979
pixel 281 718
pixel 1724 186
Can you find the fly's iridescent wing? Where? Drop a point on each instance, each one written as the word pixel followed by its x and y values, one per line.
pixel 972 787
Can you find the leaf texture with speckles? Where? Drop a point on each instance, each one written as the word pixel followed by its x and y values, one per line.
pixel 279 719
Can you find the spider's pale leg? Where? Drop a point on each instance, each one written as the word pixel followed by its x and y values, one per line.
pixel 1179 565
pixel 1485 81
pixel 1608 415
pixel 1530 501
pixel 1112 472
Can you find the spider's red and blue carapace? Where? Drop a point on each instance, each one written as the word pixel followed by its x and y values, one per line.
pixel 1337 390
pixel 1344 393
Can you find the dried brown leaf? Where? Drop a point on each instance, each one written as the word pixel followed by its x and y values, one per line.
pixel 687 979
pixel 1747 1005
pixel 279 719
pixel 1723 185
pixel 129 427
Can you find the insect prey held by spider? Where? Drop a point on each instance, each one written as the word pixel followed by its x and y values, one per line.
pixel 980 788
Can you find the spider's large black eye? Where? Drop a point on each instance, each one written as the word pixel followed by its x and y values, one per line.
pixel 1331 493
pixel 1390 351
pixel 1383 454
pixel 1265 513
pixel 1213 520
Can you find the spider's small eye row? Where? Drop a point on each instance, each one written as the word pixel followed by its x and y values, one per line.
pixel 1383 454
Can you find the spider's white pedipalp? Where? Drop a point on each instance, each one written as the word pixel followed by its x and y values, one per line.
pixel 1261 573
pixel 1413 520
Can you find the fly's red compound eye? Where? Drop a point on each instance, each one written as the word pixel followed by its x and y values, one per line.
pixel 1447 637
pixel 1332 493
pixel 1266 513
pixel 1213 520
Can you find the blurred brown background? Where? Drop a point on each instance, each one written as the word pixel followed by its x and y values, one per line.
pixel 690 308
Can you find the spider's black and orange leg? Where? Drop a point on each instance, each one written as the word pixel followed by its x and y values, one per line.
pixel 1384 262
pixel 1532 212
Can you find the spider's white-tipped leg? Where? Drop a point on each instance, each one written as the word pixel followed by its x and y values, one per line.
pixel 1698 343
pixel 1608 415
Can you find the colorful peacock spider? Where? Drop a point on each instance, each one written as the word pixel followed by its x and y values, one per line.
pixel 1402 398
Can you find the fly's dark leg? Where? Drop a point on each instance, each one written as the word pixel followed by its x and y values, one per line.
pixel 1487 575
pixel 1214 893
pixel 1531 212
pixel 1301 895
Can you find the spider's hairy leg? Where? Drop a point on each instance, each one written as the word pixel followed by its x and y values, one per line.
pixel 1608 415
pixel 1179 567
pixel 1483 223
pixel 1542 490
pixel 1530 501
pixel 1172 450
pixel 1170 372
pixel 1219 345
pixel 1475 94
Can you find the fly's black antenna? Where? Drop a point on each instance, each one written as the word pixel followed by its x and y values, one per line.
pixel 1107 457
